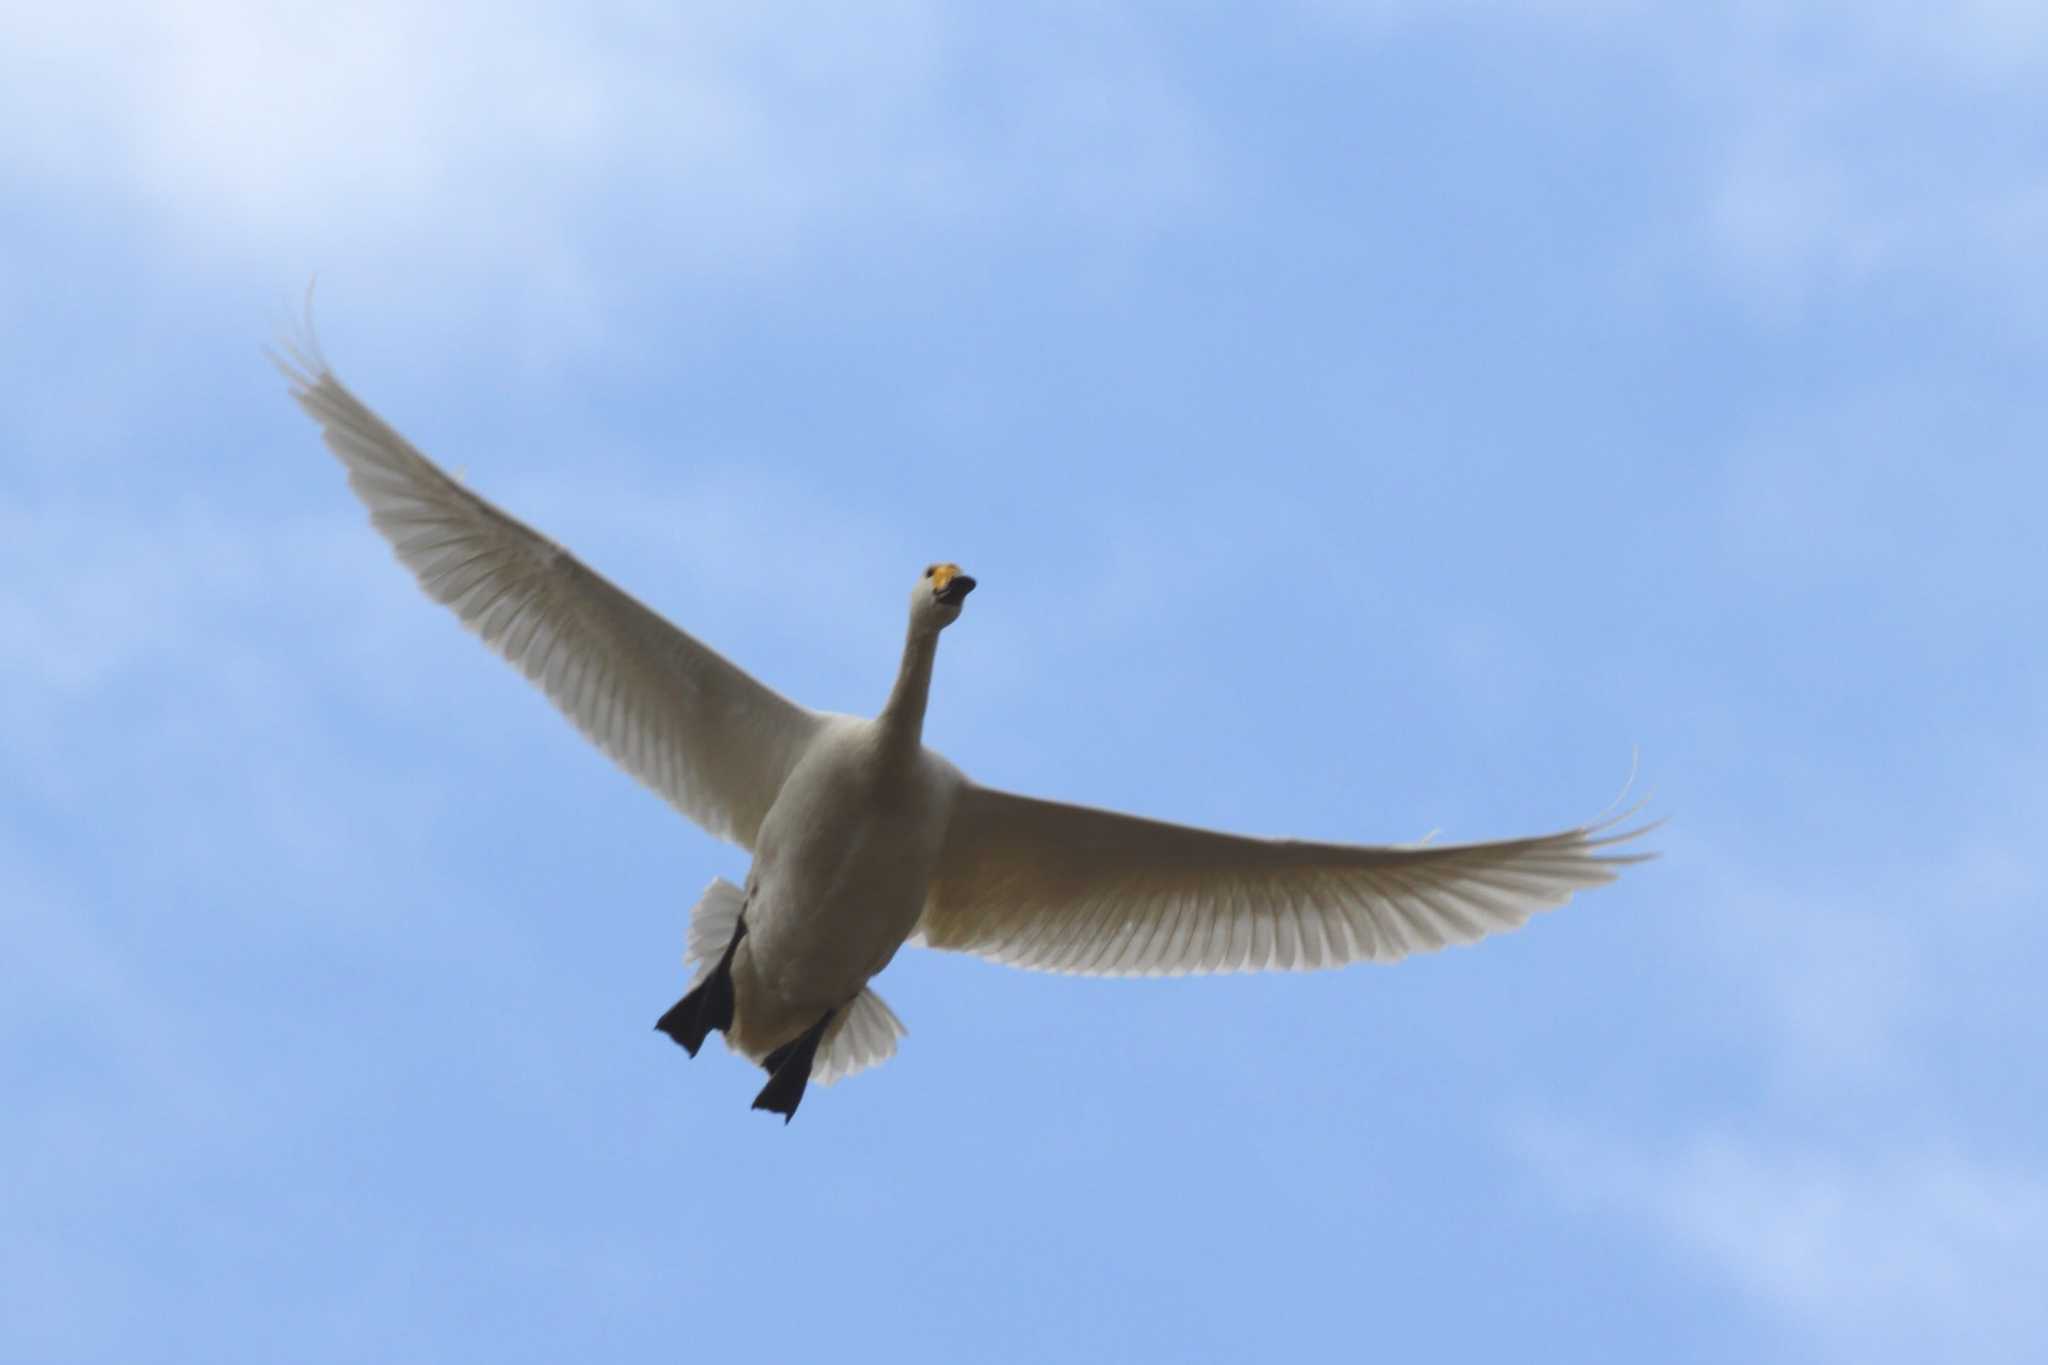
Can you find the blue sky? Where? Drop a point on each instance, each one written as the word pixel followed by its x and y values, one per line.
pixel 1363 419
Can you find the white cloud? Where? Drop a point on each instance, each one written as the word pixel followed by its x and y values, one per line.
pixel 166 669
pixel 1825 991
pixel 1821 145
pixel 1876 1253
pixel 1834 973
pixel 1835 1157
pixel 1828 498
pixel 73 974
pixel 465 138
pixel 1850 144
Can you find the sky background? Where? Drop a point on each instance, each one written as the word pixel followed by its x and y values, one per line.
pixel 1363 419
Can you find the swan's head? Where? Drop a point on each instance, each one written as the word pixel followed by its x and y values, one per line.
pixel 938 595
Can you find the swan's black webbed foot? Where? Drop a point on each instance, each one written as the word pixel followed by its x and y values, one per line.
pixel 789 1070
pixel 709 1004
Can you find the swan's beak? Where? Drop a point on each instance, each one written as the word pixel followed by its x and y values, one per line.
pixel 951 585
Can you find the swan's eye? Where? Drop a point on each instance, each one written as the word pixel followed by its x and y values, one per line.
pixel 930 569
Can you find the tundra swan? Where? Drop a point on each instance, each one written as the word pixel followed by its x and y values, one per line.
pixel 863 839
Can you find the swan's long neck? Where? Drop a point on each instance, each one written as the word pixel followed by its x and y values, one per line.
pixel 902 719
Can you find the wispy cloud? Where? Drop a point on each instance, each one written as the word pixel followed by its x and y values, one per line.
pixel 1819 147
pixel 472 139
pixel 1848 1176
pixel 1825 495
pixel 1874 1252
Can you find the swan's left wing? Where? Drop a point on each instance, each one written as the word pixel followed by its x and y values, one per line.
pixel 667 708
pixel 1065 888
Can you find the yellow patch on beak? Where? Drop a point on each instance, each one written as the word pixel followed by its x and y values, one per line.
pixel 944 574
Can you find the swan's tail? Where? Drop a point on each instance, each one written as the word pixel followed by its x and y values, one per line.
pixel 862 1035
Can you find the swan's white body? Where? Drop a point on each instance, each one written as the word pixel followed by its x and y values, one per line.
pixel 863 839
pixel 839 878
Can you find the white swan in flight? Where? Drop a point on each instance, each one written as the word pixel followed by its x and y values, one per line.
pixel 863 839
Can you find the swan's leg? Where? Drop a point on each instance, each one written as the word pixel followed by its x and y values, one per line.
pixel 709 1004
pixel 789 1070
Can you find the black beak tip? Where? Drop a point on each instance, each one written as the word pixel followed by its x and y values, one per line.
pixel 956 591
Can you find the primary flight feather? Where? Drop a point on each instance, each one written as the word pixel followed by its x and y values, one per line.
pixel 863 839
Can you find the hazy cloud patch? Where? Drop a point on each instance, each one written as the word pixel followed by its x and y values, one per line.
pixel 1878 1252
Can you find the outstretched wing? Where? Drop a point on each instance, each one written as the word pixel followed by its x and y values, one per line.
pixel 711 740
pixel 1065 888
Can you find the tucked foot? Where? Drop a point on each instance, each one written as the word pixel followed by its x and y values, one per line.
pixel 709 1004
pixel 789 1070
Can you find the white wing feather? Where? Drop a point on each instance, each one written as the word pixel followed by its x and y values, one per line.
pixel 1065 888
pixel 711 740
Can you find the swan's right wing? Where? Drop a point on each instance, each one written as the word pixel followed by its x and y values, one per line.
pixel 714 742
pixel 1062 888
